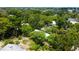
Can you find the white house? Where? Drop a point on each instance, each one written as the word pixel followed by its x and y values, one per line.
pixel 73 20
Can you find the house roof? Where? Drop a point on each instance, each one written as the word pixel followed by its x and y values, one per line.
pixel 73 19
pixel 12 47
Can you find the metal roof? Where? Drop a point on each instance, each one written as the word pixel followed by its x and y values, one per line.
pixel 73 19
pixel 12 47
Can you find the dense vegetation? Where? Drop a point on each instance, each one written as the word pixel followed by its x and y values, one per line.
pixel 16 22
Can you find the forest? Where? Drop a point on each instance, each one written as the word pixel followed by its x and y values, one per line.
pixel 40 29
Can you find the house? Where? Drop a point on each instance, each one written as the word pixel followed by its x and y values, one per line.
pixel 73 20
pixel 12 47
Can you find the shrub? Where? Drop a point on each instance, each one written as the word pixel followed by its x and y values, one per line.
pixel 34 46
pixel 20 37
pixel 24 41
pixel 8 42
pixel 16 42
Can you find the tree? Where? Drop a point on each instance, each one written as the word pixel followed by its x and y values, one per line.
pixel 46 19
pixel 54 41
pixel 64 40
pixel 14 11
pixel 76 27
pixel 63 23
pixel 38 37
pixel 47 13
pixel 51 29
pixel 33 20
pixel 4 25
pixel 26 29
pixel 16 24
pixel 71 38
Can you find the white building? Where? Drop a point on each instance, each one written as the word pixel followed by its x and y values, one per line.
pixel 73 20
